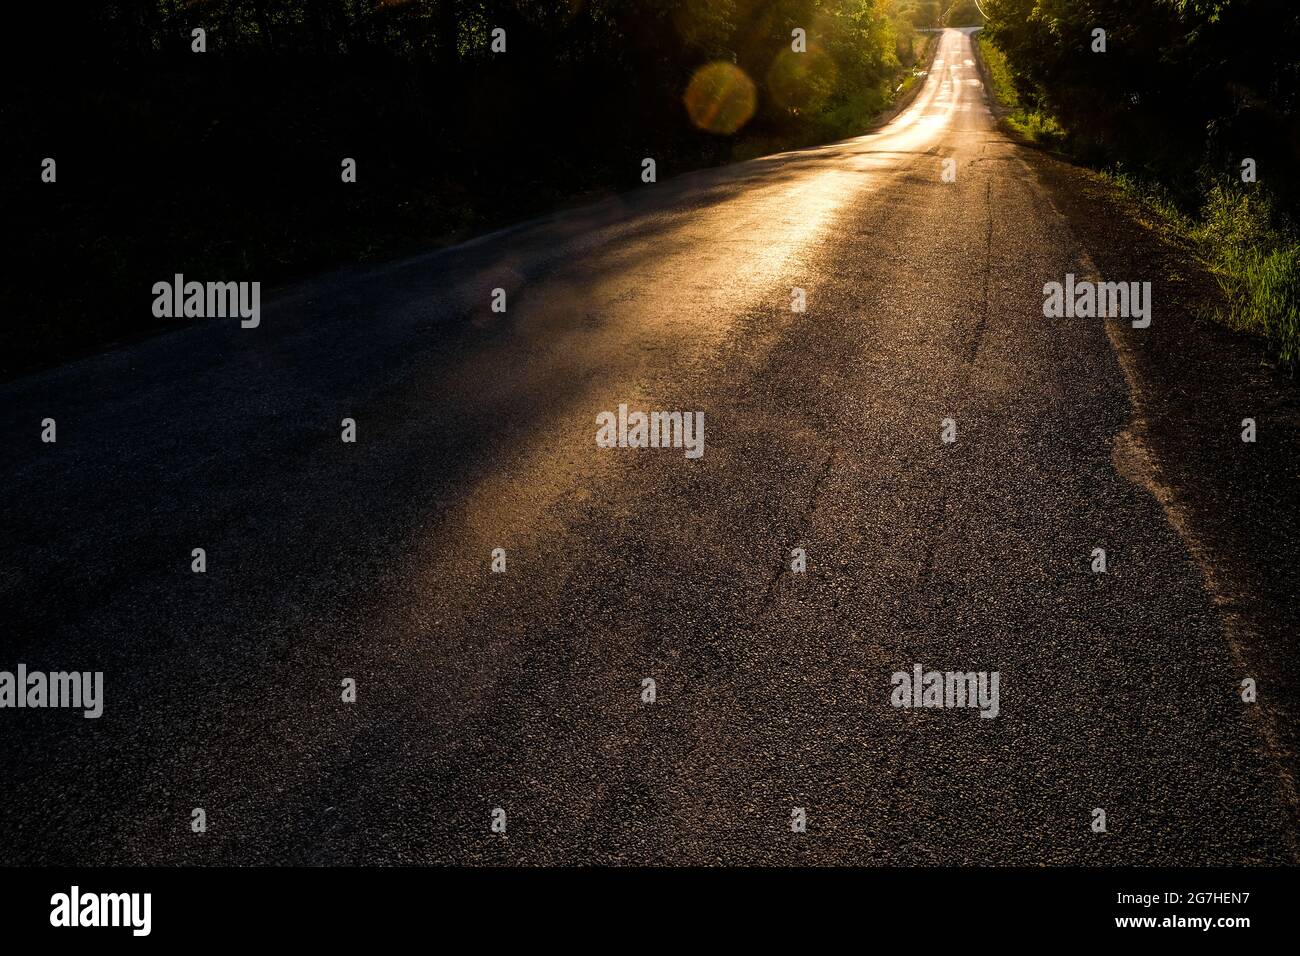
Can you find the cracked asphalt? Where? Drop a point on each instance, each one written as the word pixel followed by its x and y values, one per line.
pixel 522 690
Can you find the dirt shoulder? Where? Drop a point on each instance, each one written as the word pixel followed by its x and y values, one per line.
pixel 1194 382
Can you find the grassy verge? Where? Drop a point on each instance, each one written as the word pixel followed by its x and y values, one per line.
pixel 1030 122
pixel 921 48
pixel 1253 254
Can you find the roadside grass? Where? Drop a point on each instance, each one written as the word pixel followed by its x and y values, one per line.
pixel 921 43
pixel 922 47
pixel 1030 122
pixel 1252 253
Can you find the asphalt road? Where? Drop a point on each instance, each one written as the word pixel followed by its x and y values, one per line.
pixel 522 690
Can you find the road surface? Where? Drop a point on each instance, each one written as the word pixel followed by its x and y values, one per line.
pixel 522 690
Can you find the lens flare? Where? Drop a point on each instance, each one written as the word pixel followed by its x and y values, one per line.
pixel 802 82
pixel 721 98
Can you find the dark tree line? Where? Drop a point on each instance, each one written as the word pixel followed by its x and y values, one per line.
pixel 1184 92
pixel 226 163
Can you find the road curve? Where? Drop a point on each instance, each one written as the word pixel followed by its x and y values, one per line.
pixel 522 690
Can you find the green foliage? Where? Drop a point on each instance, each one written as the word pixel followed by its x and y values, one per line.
pixel 963 13
pixel 1030 122
pixel 1183 92
pixel 905 41
pixel 1256 263
pixel 921 14
pixel 1182 86
pixel 227 163
pixel 1250 247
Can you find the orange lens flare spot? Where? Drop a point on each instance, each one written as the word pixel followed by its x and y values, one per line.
pixel 721 98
